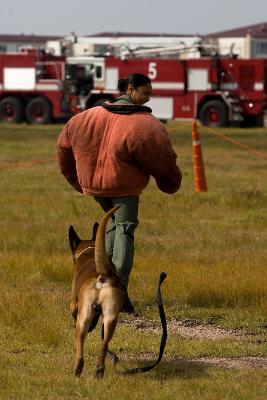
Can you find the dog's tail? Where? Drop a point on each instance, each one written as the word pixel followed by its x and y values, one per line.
pixel 103 266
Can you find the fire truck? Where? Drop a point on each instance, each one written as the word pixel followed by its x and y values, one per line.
pixel 38 87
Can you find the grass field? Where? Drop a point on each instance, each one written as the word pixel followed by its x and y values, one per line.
pixel 212 246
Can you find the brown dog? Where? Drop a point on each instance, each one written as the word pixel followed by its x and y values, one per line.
pixel 96 289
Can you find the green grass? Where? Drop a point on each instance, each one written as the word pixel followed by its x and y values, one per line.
pixel 212 245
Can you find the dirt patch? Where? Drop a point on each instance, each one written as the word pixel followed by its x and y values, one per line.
pixel 188 328
pixel 194 329
pixel 233 362
pixel 220 362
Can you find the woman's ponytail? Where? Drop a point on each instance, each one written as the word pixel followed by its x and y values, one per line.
pixel 122 85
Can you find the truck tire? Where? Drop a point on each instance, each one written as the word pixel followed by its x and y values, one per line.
pixel 11 110
pixel 253 121
pixel 260 121
pixel 38 111
pixel 214 113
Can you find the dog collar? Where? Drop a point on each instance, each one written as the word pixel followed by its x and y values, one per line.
pixel 84 251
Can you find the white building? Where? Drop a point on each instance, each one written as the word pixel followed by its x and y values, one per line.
pixel 12 43
pixel 116 42
pixel 245 42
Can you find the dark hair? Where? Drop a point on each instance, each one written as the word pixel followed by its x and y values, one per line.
pixel 134 79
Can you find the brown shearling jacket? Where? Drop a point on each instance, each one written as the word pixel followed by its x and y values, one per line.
pixel 105 152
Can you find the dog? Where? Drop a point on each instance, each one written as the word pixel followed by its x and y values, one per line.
pixel 96 290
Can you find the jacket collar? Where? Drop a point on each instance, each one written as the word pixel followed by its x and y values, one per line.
pixel 124 105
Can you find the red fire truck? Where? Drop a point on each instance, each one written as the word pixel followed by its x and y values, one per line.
pixel 38 87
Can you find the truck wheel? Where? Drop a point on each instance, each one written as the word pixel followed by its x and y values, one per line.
pixel 11 110
pixel 251 121
pixel 38 111
pixel 214 113
pixel 260 121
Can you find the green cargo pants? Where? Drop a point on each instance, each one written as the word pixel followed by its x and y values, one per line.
pixel 120 233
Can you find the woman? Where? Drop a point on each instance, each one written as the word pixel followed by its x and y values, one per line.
pixel 110 152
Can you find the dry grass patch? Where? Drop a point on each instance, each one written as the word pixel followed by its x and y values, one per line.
pixel 212 245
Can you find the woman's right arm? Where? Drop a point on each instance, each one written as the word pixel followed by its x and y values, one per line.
pixel 66 158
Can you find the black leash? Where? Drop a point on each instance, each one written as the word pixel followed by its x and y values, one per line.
pixel 163 338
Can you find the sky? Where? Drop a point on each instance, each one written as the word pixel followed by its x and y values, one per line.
pixel 85 17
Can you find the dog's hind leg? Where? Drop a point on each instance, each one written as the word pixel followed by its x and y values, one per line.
pixel 85 317
pixel 109 329
pixel 113 356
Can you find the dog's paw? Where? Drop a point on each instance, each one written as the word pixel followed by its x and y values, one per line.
pixel 79 367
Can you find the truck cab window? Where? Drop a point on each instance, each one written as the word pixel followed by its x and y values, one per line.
pixel 80 78
pixel 98 71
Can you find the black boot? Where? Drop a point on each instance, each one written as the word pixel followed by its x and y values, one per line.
pixel 127 305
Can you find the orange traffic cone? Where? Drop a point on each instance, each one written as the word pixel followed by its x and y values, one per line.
pixel 199 171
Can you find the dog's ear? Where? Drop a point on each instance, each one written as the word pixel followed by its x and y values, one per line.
pixel 73 239
pixel 95 228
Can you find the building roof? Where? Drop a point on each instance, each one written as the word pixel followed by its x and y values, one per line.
pixel 138 34
pixel 257 30
pixel 26 38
